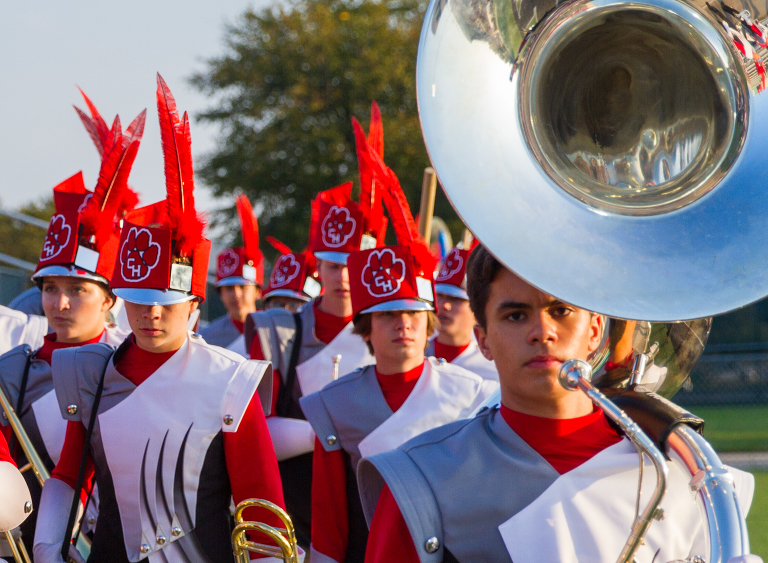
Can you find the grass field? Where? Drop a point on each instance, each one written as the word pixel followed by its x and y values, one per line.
pixel 735 429
pixel 757 520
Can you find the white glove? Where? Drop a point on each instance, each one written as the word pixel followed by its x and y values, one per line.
pixel 14 496
pixel 746 559
pixel 55 504
pixel 290 436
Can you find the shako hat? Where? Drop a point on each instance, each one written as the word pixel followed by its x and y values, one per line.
pixel 293 275
pixel 82 237
pixel 392 278
pixel 451 278
pixel 163 255
pixel 243 265
pixel 342 226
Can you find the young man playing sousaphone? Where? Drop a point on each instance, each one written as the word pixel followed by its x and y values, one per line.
pixel 379 407
pixel 171 427
pixel 455 340
pixel 544 477
pixel 239 278
pixel 73 273
pixel 303 346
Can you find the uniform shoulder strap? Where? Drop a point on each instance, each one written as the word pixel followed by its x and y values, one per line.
pixel 286 404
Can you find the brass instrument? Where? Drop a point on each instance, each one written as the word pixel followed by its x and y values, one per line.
pixel 36 465
pixel 635 133
pixel 285 538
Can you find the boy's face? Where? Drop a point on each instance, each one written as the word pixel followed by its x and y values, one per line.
pixel 398 339
pixel 239 300
pixel 529 335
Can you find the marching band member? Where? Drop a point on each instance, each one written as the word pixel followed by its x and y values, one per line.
pixel 73 272
pixel 180 427
pixel 301 346
pixel 550 462
pixel 381 406
pixel 455 340
pixel 292 282
pixel 239 277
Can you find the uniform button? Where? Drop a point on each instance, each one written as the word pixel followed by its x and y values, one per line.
pixel 432 545
pixel 72 409
pixel 144 548
pixel 28 507
pixel 441 361
pixel 160 540
pixel 91 520
pixel 175 531
pixel 196 335
pixel 331 439
pixel 228 420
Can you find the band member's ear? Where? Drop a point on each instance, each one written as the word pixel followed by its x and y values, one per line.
pixel 595 330
pixel 482 342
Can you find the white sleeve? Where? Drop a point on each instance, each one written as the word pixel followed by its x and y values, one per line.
pixel 291 437
pixel 55 504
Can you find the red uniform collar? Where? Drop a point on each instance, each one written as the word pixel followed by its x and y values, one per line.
pixel 328 326
pixel 448 352
pixel 50 345
pixel 397 386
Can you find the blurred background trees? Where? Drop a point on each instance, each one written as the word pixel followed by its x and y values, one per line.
pixel 284 93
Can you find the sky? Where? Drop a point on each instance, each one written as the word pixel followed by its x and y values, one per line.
pixel 112 50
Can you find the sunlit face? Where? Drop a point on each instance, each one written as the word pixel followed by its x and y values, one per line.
pixel 159 328
pixel 283 302
pixel 76 308
pixel 456 319
pixel 239 300
pixel 529 334
pixel 398 339
pixel 335 279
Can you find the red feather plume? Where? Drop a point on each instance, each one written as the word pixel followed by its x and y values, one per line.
pixel 281 247
pixel 95 125
pixel 370 199
pixel 376 131
pixel 250 229
pixel 112 196
pixel 183 220
pixel 394 199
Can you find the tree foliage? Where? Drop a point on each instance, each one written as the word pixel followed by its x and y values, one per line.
pixel 284 95
pixel 22 240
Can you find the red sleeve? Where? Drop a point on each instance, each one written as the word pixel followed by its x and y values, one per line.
pixel 252 465
pixel 389 538
pixel 330 522
pixel 5 455
pixel 69 462
pixel 255 351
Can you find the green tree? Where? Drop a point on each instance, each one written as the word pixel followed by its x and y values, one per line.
pixel 22 240
pixel 284 95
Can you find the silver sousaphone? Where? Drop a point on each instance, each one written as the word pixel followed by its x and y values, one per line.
pixel 621 146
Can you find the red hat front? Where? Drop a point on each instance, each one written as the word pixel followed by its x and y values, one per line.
pixel 242 265
pixel 82 236
pixel 452 276
pixel 293 275
pixel 163 256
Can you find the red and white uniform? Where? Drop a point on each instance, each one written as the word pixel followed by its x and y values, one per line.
pixel 468 357
pixel 18 328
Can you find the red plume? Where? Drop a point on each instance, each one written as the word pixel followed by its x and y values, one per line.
pixel 95 125
pixel 108 203
pixel 376 131
pixel 183 220
pixel 370 200
pixel 250 229
pixel 281 247
pixel 405 227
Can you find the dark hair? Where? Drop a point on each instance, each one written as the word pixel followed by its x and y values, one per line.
pixel 482 269
pixel 362 326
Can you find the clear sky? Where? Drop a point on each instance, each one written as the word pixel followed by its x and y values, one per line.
pixel 112 50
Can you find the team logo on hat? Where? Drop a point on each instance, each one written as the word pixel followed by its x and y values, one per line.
pixel 286 269
pixel 338 226
pixel 452 265
pixel 85 202
pixel 383 273
pixel 57 237
pixel 228 263
pixel 138 255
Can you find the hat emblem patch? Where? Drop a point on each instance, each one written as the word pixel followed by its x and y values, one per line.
pixel 451 265
pixel 286 270
pixel 138 255
pixel 384 273
pixel 228 263
pixel 338 227
pixel 56 238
